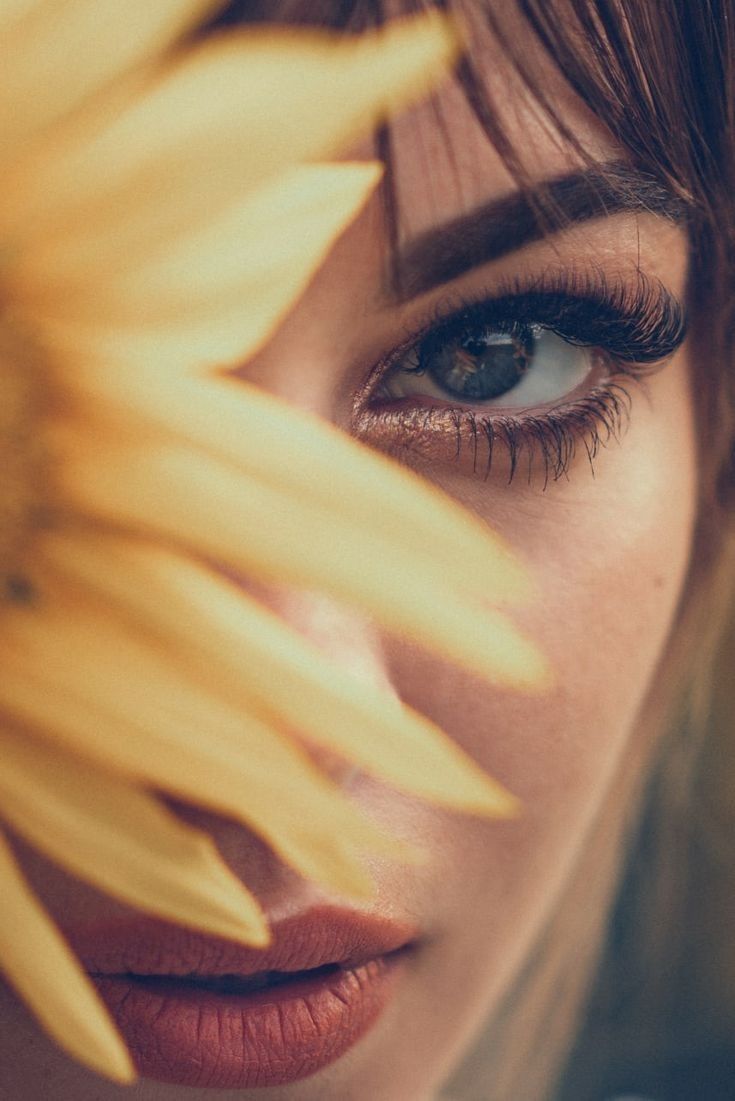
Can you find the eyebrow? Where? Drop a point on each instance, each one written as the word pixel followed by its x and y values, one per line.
pixel 504 225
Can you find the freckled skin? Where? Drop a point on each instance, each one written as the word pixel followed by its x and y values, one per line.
pixel 608 553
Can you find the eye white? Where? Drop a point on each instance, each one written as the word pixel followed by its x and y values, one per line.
pixel 557 369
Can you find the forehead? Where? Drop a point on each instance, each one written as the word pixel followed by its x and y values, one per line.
pixel 443 162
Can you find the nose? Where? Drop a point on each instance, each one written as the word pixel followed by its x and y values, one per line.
pixel 308 363
pixel 345 637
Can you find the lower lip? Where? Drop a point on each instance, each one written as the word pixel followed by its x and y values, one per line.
pixel 191 1036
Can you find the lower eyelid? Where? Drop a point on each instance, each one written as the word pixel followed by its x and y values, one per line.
pixel 541 445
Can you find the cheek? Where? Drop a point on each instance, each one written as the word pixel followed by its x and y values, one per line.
pixel 609 555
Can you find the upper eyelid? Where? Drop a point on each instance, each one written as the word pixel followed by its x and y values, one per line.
pixel 543 316
pixel 592 286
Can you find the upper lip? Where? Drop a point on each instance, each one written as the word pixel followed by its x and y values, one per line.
pixel 322 935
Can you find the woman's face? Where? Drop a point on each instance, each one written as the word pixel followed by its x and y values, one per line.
pixel 606 538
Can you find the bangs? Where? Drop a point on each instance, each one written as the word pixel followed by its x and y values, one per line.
pixel 647 69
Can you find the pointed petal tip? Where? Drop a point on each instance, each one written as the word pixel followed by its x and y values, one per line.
pixel 247 933
pixel 429 36
pixel 512 660
pixel 537 677
pixel 119 1068
pixel 485 796
pixel 358 888
pixel 105 1054
pixel 97 1045
pixel 501 804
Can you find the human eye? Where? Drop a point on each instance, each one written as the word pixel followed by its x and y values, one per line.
pixel 544 368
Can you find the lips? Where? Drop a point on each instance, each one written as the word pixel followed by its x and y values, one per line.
pixel 203 1011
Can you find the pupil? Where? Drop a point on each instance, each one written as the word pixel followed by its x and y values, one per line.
pixel 480 367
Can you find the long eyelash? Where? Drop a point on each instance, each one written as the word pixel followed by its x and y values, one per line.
pixel 591 422
pixel 636 322
pixel 555 438
pixel 637 325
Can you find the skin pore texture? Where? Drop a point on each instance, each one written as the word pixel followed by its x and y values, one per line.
pixel 608 551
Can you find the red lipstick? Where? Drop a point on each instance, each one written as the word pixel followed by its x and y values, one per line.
pixel 203 1011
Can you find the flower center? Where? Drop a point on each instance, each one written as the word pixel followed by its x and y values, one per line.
pixel 23 508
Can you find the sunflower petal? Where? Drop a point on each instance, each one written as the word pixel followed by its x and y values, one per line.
pixel 246 426
pixel 260 660
pixel 13 10
pixel 252 528
pixel 105 39
pixel 116 836
pixel 210 301
pixel 40 965
pixel 234 113
pixel 177 735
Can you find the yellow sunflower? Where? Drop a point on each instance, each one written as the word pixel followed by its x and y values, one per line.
pixel 161 207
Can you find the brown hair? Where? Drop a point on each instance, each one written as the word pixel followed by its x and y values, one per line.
pixel 659 74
